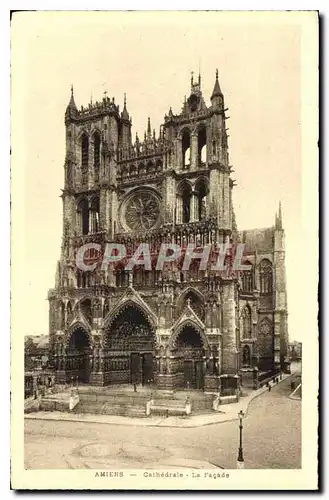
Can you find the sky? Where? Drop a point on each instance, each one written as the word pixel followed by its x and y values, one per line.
pixel 150 56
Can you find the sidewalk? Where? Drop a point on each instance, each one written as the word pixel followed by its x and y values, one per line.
pixel 225 414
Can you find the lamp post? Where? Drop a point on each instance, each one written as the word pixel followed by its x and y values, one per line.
pixel 240 461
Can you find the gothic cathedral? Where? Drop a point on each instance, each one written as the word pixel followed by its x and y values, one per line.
pixel 195 329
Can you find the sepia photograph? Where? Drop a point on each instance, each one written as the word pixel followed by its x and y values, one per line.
pixel 164 188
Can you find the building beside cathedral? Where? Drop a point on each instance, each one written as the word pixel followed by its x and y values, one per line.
pixel 172 328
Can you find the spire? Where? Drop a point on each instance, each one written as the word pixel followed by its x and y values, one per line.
pixel 124 114
pixel 149 127
pixel 217 91
pixel 72 102
pixel 71 109
pixel 280 216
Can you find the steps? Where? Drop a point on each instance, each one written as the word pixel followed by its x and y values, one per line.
pixel 117 401
pixel 112 404
pixel 165 406
pixel 123 410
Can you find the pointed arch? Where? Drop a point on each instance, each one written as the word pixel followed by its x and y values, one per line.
pixel 265 276
pixel 125 304
pixel 94 214
pixel 197 301
pixel 186 147
pixel 202 145
pixel 202 191
pixel 129 327
pixel 85 306
pixel 184 196
pixel 83 216
pixel 83 132
pixel 247 281
pixel 188 323
pixel 76 326
pixel 95 130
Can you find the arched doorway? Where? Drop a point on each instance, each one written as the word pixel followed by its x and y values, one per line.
pixel 190 354
pixel 79 353
pixel 130 348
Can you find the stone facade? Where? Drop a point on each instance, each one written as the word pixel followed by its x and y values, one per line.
pixel 173 328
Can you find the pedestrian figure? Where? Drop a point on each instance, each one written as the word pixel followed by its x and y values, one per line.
pixel 135 387
pixel 269 387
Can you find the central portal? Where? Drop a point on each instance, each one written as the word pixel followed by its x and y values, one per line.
pixel 130 348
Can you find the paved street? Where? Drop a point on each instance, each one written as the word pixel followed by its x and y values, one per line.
pixel 272 439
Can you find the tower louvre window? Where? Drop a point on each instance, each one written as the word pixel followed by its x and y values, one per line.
pixel 84 150
pixel 97 144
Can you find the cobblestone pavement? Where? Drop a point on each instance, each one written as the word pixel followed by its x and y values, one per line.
pixel 272 439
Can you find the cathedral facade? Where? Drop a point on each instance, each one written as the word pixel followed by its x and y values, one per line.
pixel 173 328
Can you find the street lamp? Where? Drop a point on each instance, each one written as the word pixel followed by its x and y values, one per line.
pixel 240 462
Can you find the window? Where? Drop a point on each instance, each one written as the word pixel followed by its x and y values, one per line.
pixel 84 150
pixel 94 215
pixel 186 148
pixel 201 188
pixel 265 276
pixel 247 279
pixel 202 146
pixel 83 217
pixel 186 196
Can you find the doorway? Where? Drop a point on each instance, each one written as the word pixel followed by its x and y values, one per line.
pixel 141 368
pixel 194 374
